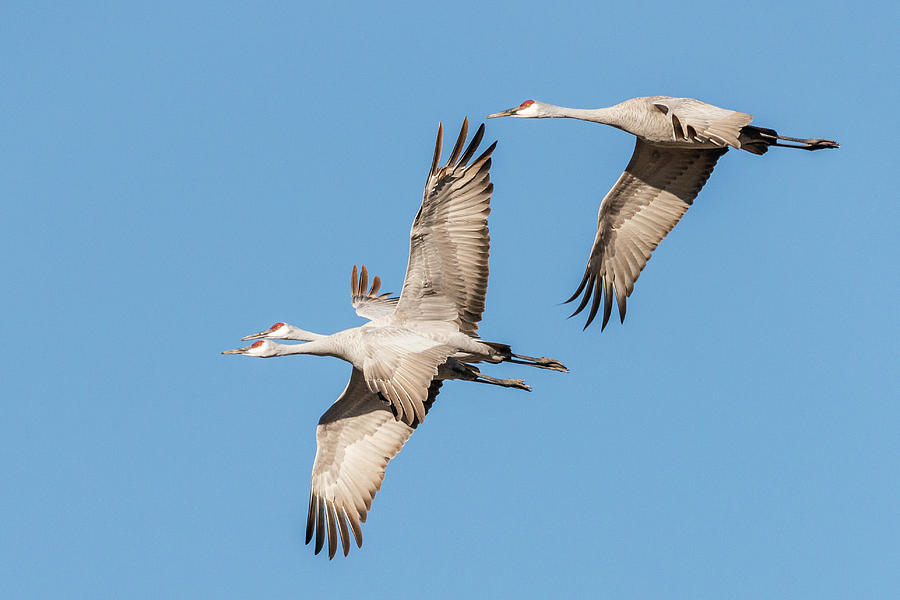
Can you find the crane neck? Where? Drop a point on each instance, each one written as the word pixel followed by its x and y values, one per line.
pixel 608 116
pixel 301 335
pixel 322 345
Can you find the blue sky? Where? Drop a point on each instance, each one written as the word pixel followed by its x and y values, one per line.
pixel 177 176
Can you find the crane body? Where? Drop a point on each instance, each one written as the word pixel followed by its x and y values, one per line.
pixel 410 345
pixel 679 141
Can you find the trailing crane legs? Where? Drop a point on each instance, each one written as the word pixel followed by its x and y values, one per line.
pixel 410 345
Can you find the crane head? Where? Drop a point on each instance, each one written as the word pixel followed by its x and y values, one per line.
pixel 261 348
pixel 278 331
pixel 528 109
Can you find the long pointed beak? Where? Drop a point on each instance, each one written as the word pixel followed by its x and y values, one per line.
pixel 503 113
pixel 256 336
pixel 236 350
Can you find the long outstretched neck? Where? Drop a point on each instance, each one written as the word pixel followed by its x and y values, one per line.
pixel 608 116
pixel 297 334
pixel 322 345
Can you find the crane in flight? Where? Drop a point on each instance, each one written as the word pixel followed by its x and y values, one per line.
pixel 410 345
pixel 678 143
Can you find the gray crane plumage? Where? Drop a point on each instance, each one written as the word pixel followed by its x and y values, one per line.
pixel 679 141
pixel 409 346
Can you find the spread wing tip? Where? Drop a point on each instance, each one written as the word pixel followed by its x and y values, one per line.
pixel 438 145
pixel 593 289
pixel 460 140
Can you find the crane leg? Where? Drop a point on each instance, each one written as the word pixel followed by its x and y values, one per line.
pixel 541 363
pixel 809 144
pixel 455 369
pixel 513 383
pixel 804 143
pixel 758 139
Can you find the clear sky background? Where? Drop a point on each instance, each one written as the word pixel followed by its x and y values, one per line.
pixel 177 175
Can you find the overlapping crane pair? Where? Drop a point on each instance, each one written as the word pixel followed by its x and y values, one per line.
pixel 428 334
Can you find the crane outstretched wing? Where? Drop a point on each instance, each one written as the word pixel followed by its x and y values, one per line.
pixel 369 304
pixel 658 186
pixel 355 440
pixel 400 364
pixel 447 275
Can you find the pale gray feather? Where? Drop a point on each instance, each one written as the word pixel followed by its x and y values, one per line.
pixel 447 274
pixel 656 189
pixel 355 440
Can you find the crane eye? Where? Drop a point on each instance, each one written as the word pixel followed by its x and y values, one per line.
pixel 278 325
pixel 256 344
pixel 526 104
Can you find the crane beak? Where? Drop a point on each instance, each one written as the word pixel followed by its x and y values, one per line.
pixel 503 113
pixel 237 350
pixel 256 336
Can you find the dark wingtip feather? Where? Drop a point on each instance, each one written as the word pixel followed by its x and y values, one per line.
pixel 589 288
pixel 607 303
pixel 311 518
pixel 578 291
pixel 594 305
pixel 363 281
pixel 457 147
pixel 342 528
pixel 332 530
pixel 353 279
pixel 438 143
pixel 473 146
pixel 357 531
pixel 320 525
pixel 486 153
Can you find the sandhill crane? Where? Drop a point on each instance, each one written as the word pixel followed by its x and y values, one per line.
pixel 370 305
pixel 410 345
pixel 678 143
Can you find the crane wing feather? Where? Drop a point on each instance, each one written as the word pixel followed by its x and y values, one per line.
pixel 447 274
pixel 355 440
pixel 369 304
pixel 656 189
pixel 697 121
pixel 400 365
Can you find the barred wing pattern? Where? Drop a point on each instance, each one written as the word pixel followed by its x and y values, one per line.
pixel 369 304
pixel 656 189
pixel 355 440
pixel 447 275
